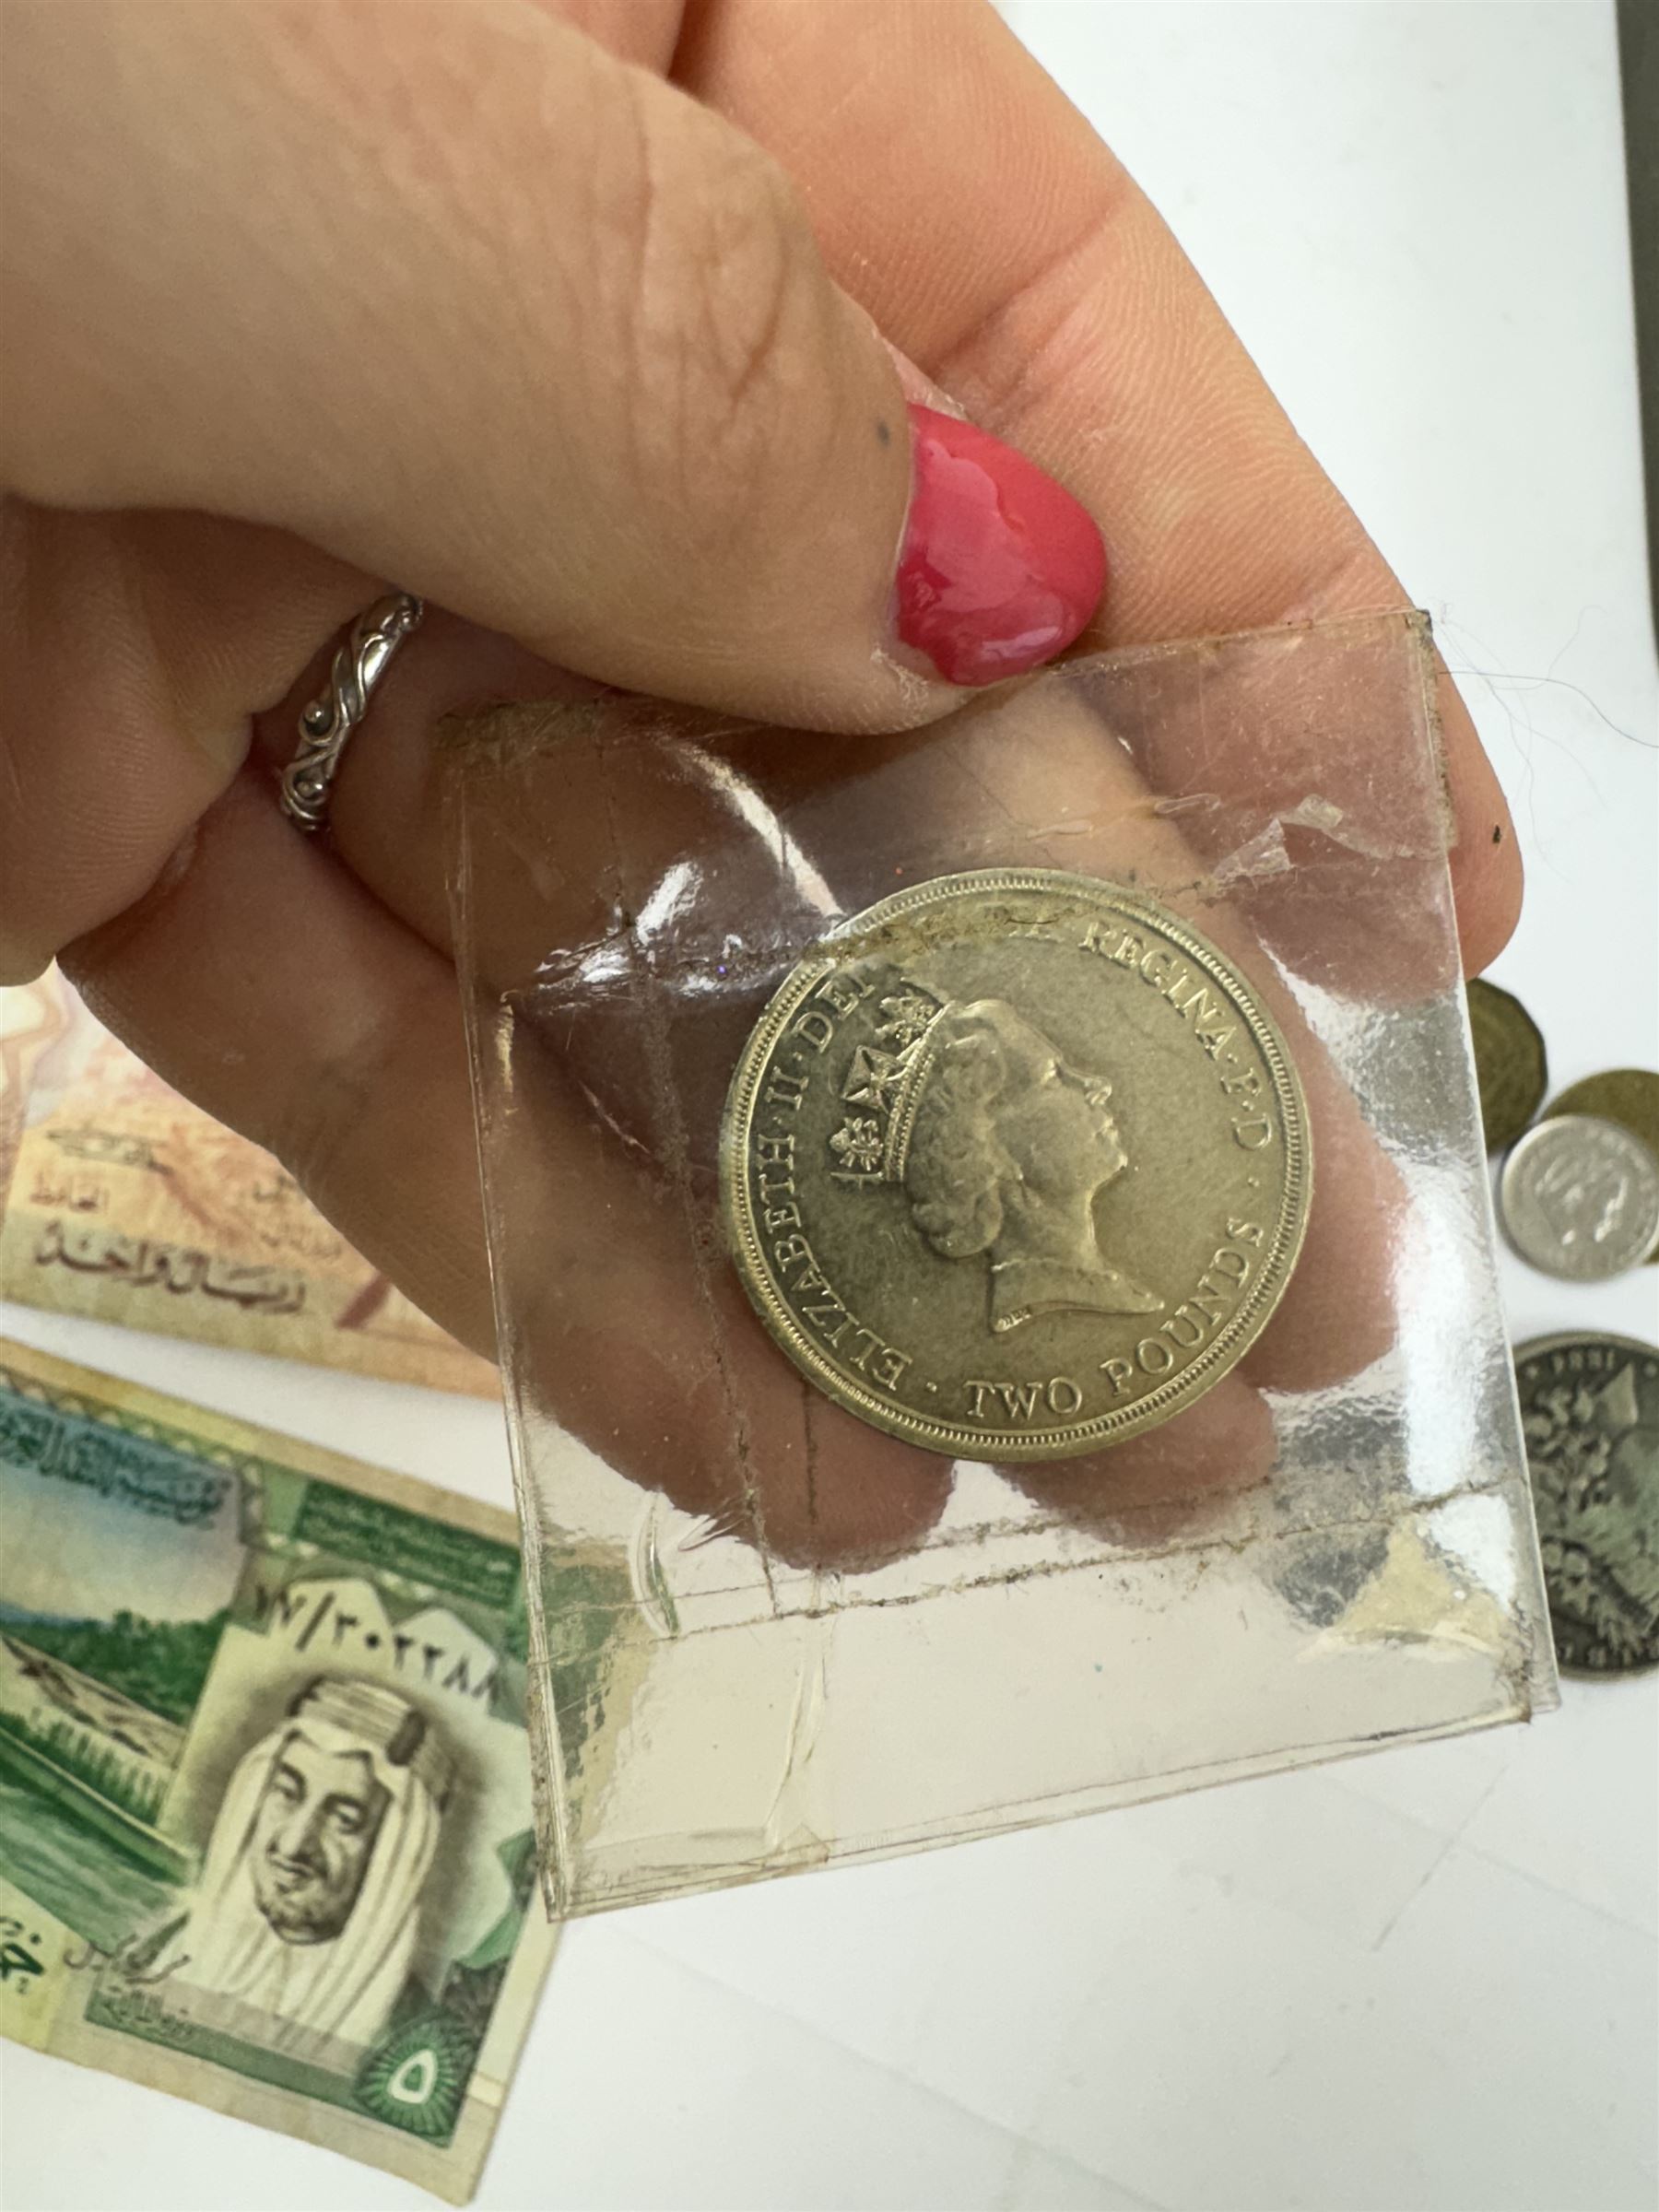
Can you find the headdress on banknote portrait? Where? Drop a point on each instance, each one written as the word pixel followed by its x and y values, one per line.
pixel 227 1965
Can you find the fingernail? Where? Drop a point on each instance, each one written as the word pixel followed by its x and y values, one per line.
pixel 1000 569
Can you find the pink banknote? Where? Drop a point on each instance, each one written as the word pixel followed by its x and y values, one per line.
pixel 126 1203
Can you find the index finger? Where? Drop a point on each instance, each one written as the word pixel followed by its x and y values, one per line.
pixel 959 197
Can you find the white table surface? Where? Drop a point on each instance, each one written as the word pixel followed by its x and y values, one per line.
pixel 1424 1980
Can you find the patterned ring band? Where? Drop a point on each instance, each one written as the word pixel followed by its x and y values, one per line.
pixel 329 720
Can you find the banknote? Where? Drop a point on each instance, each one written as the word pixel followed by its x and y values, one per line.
pixel 265 1824
pixel 123 1202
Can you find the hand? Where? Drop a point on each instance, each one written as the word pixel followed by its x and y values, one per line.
pixel 308 303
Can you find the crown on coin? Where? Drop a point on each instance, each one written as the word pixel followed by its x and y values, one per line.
pixel 872 1145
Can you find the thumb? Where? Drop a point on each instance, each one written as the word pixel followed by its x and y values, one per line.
pixel 486 310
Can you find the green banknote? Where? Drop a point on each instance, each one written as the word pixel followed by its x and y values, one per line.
pixel 266 1834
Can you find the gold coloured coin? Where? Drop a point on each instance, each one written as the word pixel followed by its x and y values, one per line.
pixel 1509 1063
pixel 1015 1165
pixel 1628 1095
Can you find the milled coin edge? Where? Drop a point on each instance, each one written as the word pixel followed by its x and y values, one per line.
pixel 952 1439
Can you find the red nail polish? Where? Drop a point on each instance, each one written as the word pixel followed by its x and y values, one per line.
pixel 1000 568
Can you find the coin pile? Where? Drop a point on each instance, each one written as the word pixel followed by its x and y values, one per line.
pixel 1579 1198
pixel 1578 1194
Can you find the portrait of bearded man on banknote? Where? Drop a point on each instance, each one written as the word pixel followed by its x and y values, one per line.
pixel 302 1927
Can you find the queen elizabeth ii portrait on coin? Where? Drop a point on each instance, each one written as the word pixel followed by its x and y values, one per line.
pixel 1000 1147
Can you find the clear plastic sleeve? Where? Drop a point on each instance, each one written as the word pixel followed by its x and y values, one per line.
pixel 770 1636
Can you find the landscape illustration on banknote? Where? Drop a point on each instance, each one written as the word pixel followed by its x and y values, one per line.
pixel 265 1824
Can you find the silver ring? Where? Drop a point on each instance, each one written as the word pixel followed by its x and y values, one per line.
pixel 329 720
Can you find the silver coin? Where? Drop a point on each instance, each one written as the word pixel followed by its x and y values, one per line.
pixel 1590 1409
pixel 1579 1198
